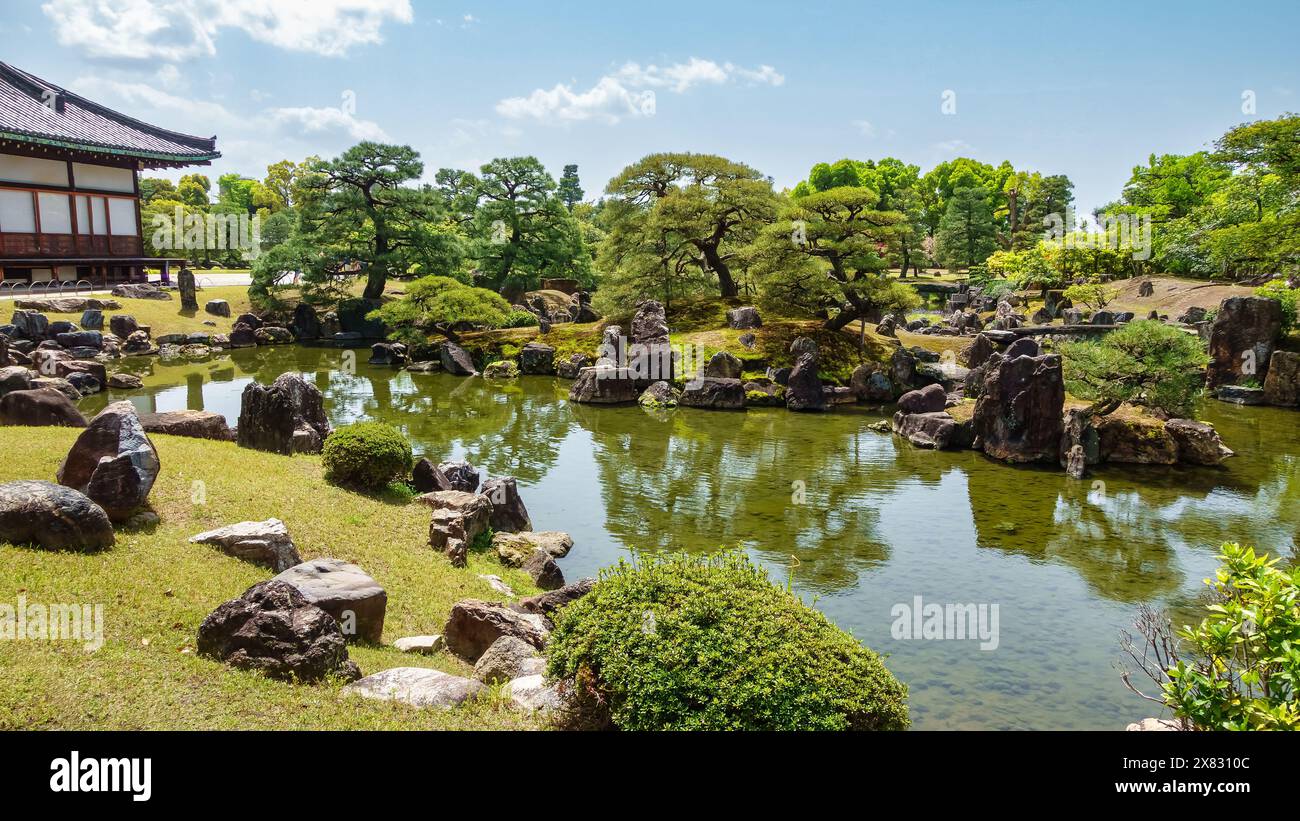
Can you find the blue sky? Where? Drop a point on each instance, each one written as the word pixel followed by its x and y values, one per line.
pixel 1085 89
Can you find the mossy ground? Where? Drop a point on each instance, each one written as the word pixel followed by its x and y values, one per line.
pixel 156 588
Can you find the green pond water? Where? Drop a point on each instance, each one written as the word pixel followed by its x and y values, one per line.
pixel 858 520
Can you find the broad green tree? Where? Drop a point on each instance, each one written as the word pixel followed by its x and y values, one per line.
pixel 699 210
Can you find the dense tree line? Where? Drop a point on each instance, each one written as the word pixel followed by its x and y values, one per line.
pixel 681 225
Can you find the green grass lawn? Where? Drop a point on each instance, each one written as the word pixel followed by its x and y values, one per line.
pixel 166 317
pixel 156 588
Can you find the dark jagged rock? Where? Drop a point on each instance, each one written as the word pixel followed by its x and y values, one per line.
pixel 456 360
pixel 870 384
pixel 605 386
pixel 537 358
pixel 427 478
pixel 53 517
pixel 287 416
pixel 306 324
pixel 803 390
pixel 722 365
pixel 462 475
pixel 1242 340
pixel 1018 416
pixel 1197 442
pixel 744 318
pixel 508 512
pixel 113 462
pixel 273 629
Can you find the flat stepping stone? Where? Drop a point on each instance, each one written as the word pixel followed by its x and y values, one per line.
pixel 427 645
pixel 417 687
pixel 266 543
pixel 345 592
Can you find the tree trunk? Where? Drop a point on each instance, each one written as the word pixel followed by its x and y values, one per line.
pixel 378 274
pixel 726 284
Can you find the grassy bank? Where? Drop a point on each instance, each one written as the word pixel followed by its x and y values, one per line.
pixel 156 588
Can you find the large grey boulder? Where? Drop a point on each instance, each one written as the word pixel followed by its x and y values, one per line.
pixel 53 517
pixel 513 549
pixel 195 424
pixel 723 365
pixel 113 462
pixel 217 307
pixel 15 378
pixel 508 657
pixel 287 416
pixel 272 628
pixel 935 430
pixel 1198 443
pixel 605 386
pixel 714 394
pixel 474 625
pixel 345 592
pixel 140 290
pixel 744 318
pixel 417 687
pixel 508 512
pixel 265 543
pixel 39 407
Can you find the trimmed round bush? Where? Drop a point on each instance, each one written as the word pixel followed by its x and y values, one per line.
pixel 367 455
pixel 520 319
pixel 689 643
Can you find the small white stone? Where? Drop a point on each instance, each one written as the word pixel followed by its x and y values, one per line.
pixel 419 644
pixel 497 583
pixel 531 693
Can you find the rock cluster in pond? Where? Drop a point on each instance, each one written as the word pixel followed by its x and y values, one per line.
pixel 345 591
pixel 287 416
pixel 52 517
pixel 113 462
pixel 265 543
pixel 272 628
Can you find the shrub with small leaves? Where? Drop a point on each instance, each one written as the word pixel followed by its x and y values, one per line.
pixel 366 455
pixel 689 643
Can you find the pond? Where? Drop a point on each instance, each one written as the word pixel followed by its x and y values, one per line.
pixel 858 521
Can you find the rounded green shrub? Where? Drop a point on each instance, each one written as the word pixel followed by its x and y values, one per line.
pixel 520 319
pixel 367 455
pixel 689 643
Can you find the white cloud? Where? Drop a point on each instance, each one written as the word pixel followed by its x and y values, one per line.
pixel 181 29
pixel 142 95
pixel 865 128
pixel 310 120
pixel 954 147
pixel 629 91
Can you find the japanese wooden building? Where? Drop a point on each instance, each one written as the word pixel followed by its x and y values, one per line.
pixel 70 184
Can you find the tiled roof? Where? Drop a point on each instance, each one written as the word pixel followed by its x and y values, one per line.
pixel 32 110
